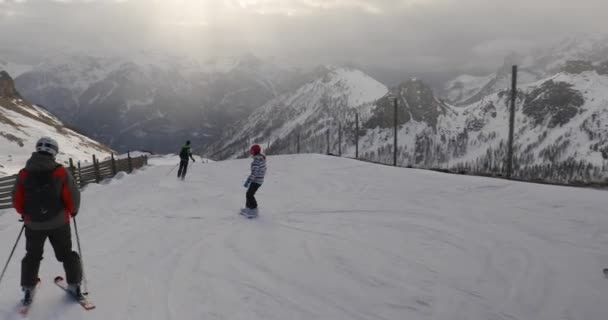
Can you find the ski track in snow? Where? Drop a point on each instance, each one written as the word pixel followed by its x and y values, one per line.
pixel 336 239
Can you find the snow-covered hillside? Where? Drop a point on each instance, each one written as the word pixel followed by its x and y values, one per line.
pixel 22 124
pixel 308 111
pixel 359 241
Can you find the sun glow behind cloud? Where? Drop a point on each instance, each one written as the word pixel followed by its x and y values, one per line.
pixel 421 34
pixel 200 13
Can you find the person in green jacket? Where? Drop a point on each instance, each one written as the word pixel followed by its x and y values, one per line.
pixel 184 155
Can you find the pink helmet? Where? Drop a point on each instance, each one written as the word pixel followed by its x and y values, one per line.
pixel 255 149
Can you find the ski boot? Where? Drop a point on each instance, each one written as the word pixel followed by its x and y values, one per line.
pixel 28 295
pixel 74 290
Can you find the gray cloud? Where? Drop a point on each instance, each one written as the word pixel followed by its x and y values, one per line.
pixel 415 35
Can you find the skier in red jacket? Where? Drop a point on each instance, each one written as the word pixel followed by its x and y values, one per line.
pixel 46 196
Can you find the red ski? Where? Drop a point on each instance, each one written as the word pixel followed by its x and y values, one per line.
pixel 84 301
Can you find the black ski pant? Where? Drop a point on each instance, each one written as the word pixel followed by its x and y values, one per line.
pixel 61 240
pixel 183 167
pixel 251 202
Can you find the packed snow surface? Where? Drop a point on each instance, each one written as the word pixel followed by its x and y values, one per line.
pixel 336 239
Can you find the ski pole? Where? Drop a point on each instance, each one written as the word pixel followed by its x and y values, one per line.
pixel 172 169
pixel 12 252
pixel 84 277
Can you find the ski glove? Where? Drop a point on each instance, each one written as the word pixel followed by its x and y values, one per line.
pixel 73 214
pixel 247 183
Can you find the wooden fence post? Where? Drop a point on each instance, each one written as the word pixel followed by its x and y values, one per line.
pixel 113 165
pixel 80 176
pixel 129 161
pixel 96 169
pixel 72 169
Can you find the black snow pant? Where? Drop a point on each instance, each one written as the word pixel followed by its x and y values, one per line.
pixel 251 202
pixel 61 240
pixel 183 167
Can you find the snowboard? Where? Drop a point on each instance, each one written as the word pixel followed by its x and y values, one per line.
pixel 245 213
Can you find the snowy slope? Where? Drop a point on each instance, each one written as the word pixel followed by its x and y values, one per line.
pixel 22 124
pixel 309 110
pixel 359 241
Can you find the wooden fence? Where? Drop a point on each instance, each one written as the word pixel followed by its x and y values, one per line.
pixel 91 173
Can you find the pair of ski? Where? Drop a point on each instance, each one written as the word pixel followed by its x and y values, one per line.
pixel 82 300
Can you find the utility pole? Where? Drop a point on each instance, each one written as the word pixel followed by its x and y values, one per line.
pixel 340 139
pixel 396 119
pixel 357 135
pixel 327 137
pixel 512 123
pixel 298 142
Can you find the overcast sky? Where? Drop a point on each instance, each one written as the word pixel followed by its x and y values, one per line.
pixel 423 34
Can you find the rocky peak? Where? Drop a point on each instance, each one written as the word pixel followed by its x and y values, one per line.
pixel 7 87
pixel 416 101
pixel 557 101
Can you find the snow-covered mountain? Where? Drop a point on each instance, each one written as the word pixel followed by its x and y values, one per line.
pixel 22 124
pixel 561 124
pixel 154 102
pixel 561 130
pixel 535 65
pixel 308 112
